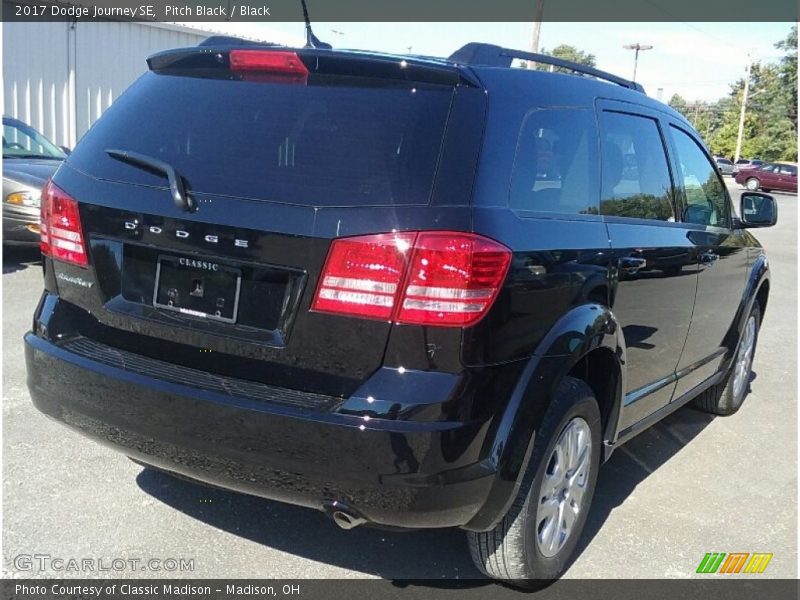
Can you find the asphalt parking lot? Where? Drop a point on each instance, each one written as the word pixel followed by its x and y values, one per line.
pixel 690 485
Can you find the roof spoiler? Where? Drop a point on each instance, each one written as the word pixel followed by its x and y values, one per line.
pixel 213 55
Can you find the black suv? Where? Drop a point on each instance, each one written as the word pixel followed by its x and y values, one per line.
pixel 409 292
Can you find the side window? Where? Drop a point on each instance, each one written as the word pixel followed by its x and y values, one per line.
pixel 555 168
pixel 636 181
pixel 16 139
pixel 788 170
pixel 706 198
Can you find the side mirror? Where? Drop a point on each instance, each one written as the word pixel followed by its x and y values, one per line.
pixel 65 150
pixel 758 210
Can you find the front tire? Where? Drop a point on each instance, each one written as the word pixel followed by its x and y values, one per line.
pixel 536 538
pixel 727 397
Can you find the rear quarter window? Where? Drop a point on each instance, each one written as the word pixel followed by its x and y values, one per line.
pixel 556 164
pixel 335 144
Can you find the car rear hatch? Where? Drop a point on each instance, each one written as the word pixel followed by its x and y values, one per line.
pixel 210 191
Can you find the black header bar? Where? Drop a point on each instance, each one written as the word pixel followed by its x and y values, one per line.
pixel 402 11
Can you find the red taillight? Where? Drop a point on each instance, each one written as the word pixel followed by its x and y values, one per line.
pixel 61 233
pixel 268 61
pixel 426 278
pixel 362 275
pixel 453 279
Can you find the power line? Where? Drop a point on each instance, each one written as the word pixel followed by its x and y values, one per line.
pixel 675 18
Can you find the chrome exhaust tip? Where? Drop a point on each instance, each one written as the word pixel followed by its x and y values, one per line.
pixel 343 515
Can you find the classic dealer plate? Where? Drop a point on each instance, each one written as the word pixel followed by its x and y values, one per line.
pixel 197 287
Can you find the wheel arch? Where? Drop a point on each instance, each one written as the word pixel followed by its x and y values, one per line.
pixel 601 370
pixel 585 340
pixel 762 296
pixel 756 290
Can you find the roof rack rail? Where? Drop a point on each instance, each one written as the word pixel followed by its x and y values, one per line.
pixel 490 55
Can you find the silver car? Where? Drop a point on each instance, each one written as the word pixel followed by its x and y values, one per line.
pixel 29 160
pixel 726 167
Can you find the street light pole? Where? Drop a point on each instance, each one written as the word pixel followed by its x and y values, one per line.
pixel 740 134
pixel 537 26
pixel 637 47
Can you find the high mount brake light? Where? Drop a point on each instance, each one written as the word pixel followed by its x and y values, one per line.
pixel 61 235
pixel 274 62
pixel 439 278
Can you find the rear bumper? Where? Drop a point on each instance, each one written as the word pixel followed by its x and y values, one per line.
pixel 394 473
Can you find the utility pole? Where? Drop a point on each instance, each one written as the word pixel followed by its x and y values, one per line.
pixel 537 26
pixel 637 47
pixel 741 113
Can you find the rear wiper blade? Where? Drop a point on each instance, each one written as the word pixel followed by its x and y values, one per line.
pixel 176 184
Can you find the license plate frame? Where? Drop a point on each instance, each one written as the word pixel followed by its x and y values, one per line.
pixel 197 269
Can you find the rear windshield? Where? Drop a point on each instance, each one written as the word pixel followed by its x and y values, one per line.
pixel 315 145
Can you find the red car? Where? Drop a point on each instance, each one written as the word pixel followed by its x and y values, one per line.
pixel 768 177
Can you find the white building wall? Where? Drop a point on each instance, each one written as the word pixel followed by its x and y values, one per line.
pixel 60 77
pixel 35 82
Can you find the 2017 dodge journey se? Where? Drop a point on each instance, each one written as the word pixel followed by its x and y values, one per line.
pixel 407 291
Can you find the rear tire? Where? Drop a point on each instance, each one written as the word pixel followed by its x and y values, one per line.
pixel 536 538
pixel 752 184
pixel 727 397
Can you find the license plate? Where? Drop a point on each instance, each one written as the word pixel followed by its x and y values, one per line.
pixel 197 287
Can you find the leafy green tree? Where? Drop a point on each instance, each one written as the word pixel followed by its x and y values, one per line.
pixel 679 103
pixel 572 54
pixel 770 126
pixel 787 72
pixel 565 52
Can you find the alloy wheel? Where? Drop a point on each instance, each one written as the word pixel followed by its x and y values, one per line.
pixel 744 359
pixel 563 487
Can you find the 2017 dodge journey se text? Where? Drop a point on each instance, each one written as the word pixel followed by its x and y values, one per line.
pixel 407 291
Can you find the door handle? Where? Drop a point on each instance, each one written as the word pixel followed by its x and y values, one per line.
pixel 631 265
pixel 709 258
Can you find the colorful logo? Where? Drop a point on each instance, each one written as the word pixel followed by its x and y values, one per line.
pixel 734 562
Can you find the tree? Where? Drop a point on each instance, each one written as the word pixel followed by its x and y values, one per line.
pixel 678 103
pixel 567 52
pixel 787 72
pixel 770 126
pixel 572 54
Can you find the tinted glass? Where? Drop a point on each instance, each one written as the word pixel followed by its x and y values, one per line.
pixel 319 145
pixel 555 169
pixel 21 141
pixel 788 170
pixel 636 181
pixel 706 198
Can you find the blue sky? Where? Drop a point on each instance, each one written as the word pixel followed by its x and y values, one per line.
pixel 696 60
